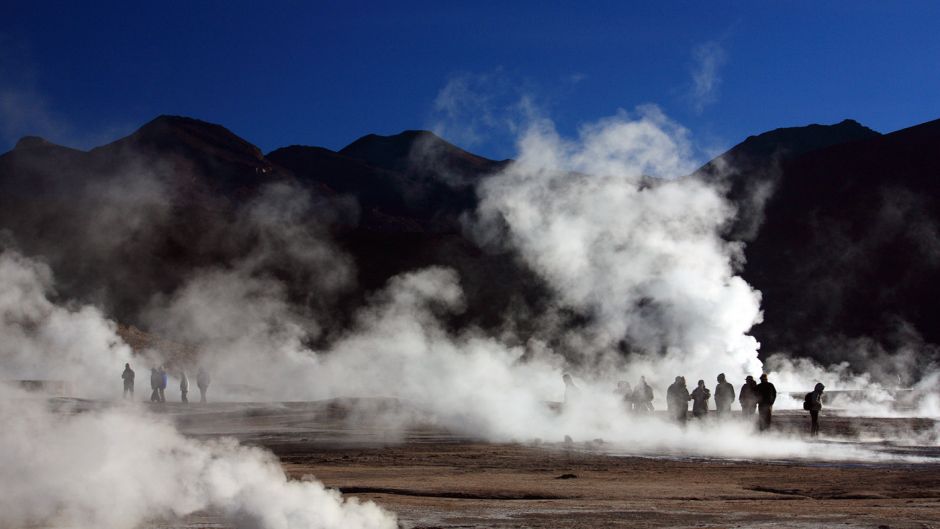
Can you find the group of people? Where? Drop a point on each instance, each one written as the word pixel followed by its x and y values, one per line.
pixel 638 399
pixel 754 398
pixel 158 382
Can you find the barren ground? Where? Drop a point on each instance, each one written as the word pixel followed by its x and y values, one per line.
pixel 431 478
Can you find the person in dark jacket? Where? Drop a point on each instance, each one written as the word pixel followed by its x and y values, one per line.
pixel 184 387
pixel 766 395
pixel 163 381
pixel 202 380
pixel 813 403
pixel 677 400
pixel 155 380
pixel 643 397
pixel 748 397
pixel 700 396
pixel 724 396
pixel 128 376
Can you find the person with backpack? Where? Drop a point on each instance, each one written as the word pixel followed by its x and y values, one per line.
pixel 813 403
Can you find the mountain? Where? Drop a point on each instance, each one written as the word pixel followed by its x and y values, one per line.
pixel 850 244
pixel 840 224
pixel 751 169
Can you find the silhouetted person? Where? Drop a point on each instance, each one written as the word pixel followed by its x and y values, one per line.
pixel 677 400
pixel 700 396
pixel 724 396
pixel 748 397
pixel 155 380
pixel 626 394
pixel 643 397
pixel 202 380
pixel 184 387
pixel 163 381
pixel 128 376
pixel 813 403
pixel 766 395
pixel 572 392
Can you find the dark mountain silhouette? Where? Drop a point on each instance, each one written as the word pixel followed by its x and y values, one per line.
pixel 751 169
pixel 841 223
pixel 850 245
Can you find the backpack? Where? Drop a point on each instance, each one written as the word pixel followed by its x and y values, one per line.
pixel 808 401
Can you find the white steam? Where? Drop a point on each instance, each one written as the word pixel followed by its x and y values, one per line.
pixel 641 256
pixel 121 467
pixel 42 341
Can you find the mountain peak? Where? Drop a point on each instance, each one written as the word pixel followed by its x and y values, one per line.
pixel 420 152
pixel 167 132
pixel 394 151
pixel 32 142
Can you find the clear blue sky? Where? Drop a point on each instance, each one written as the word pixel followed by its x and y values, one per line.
pixel 325 73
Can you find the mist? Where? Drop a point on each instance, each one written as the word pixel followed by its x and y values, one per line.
pixel 120 467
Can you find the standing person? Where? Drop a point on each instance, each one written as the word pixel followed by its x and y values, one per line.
pixel 677 400
pixel 184 387
pixel 155 381
pixel 202 380
pixel 724 396
pixel 813 403
pixel 700 396
pixel 766 395
pixel 748 397
pixel 128 376
pixel 643 397
pixel 163 380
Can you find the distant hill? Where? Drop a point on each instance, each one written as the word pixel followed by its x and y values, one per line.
pixel 850 244
pixel 840 223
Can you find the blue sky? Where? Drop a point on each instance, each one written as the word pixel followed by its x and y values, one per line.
pixel 325 73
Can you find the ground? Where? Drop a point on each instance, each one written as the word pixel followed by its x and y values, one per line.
pixel 432 478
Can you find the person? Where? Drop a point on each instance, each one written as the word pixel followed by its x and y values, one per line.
pixel 700 396
pixel 643 398
pixel 626 393
pixel 184 387
pixel 766 395
pixel 202 380
pixel 128 376
pixel 677 400
pixel 724 396
pixel 163 380
pixel 572 392
pixel 813 403
pixel 748 397
pixel 155 381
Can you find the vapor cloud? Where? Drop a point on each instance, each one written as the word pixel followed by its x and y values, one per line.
pixel 638 254
pixel 119 468
pixel 708 59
